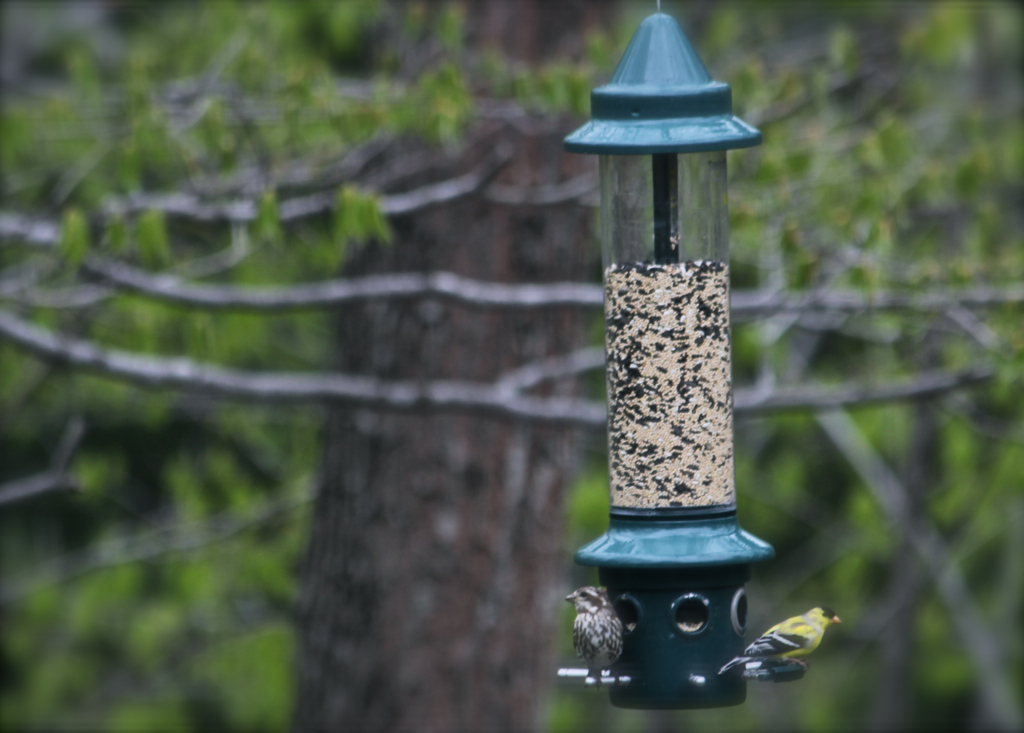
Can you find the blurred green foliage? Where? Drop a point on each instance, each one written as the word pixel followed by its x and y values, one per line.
pixel 159 597
pixel 891 161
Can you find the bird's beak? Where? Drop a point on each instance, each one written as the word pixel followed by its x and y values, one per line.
pixel 571 597
pixel 836 620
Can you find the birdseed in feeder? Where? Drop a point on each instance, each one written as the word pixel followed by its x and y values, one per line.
pixel 670 439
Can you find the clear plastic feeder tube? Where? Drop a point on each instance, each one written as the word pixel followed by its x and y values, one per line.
pixel 665 245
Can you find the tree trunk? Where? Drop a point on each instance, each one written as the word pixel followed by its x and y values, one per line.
pixel 432 581
pixel 430 588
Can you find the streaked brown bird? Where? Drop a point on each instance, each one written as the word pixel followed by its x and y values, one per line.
pixel 597 630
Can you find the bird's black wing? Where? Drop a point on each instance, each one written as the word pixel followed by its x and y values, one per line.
pixel 775 643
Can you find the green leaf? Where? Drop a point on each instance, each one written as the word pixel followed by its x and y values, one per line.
pixel 946 38
pixel 253 677
pixel 588 504
pixel 85 76
pixel 414 20
pixel 199 335
pixel 450 27
pixel 74 236
pixel 152 631
pixel 722 32
pixel 100 475
pixel 972 172
pixel 441 104
pixel 347 23
pixel 152 716
pixel 101 598
pixel 129 166
pixel 358 219
pixel 152 237
pixel 842 50
pixel 117 234
pixel 268 224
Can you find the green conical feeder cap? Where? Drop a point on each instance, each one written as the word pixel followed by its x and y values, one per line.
pixel 661 99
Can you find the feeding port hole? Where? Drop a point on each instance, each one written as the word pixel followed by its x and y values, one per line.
pixel 628 610
pixel 738 612
pixel 691 612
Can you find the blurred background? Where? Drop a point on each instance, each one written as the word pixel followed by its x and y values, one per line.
pixel 203 527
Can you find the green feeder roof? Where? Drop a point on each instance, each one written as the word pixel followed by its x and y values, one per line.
pixel 661 99
pixel 689 543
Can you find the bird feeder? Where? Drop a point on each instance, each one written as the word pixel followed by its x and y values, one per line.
pixel 674 558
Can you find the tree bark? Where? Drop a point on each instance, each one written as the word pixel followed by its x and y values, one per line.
pixel 430 591
pixel 432 581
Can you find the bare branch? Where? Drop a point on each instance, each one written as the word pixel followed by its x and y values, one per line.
pixel 754 304
pixel 571 365
pixel 455 188
pixel 745 305
pixel 817 397
pixel 222 260
pixel 77 296
pixel 170 537
pixel 784 109
pixel 245 210
pixel 47 234
pixel 30 487
pixel 77 173
pixel 984 423
pixel 68 444
pixel 497 399
pixel 56 478
pixel 978 641
pixel 182 205
pixel 328 293
pixel 580 187
pixel 1011 582
pixel 404 203
pixel 403 396
pixel 520 118
pixel 809 558
pixel 973 327
pixel 29 231
pixel 443 285
pixel 297 173
pixel 82 296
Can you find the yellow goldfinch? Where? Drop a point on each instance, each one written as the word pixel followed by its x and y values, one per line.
pixel 794 637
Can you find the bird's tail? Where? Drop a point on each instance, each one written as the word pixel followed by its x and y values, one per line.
pixel 735 663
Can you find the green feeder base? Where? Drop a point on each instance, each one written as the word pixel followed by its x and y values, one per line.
pixel 682 634
pixel 678 587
